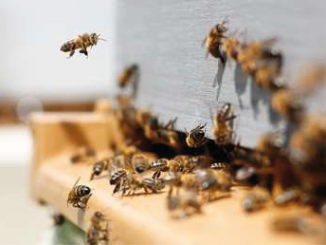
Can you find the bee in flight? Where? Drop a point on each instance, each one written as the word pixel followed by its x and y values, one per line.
pixel 82 42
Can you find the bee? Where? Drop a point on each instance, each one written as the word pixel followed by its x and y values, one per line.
pixel 169 137
pixel 188 203
pixel 98 232
pixel 79 195
pixel 154 185
pixel 265 77
pixel 140 163
pixel 118 178
pixel 158 166
pixel 255 200
pixel 82 42
pixel 129 75
pixel 286 197
pixel 294 223
pixel 223 122
pixel 252 55
pixel 230 47
pixel 288 105
pixel 196 137
pixel 214 40
pixel 99 167
pixel 83 155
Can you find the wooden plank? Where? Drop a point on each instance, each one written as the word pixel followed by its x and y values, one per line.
pixel 138 219
pixel 165 38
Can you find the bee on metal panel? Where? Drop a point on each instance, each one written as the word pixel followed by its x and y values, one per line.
pixel 82 42
pixel 223 125
pixel 79 195
pixel 288 105
pixel 196 137
pixel 129 75
pixel 214 39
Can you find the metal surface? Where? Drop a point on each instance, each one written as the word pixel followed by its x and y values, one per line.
pixel 165 36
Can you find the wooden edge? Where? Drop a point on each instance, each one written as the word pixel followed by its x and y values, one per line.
pixel 144 219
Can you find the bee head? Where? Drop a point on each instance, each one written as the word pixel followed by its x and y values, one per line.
pixel 93 38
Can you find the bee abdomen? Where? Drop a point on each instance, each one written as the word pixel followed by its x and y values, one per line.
pixel 159 164
pixel 116 176
pixel 66 47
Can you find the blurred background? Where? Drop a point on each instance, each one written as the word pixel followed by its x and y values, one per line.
pixel 36 75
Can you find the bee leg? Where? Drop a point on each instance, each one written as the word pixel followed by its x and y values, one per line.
pixel 117 188
pixel 72 50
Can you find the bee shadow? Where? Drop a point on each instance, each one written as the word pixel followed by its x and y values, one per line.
pixel 259 95
pixel 240 82
pixel 219 78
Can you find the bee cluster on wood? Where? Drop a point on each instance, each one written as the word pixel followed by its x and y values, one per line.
pixel 196 170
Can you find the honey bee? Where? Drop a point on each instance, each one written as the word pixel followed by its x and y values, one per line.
pixel 230 47
pixel 154 185
pixel 83 155
pixel 286 197
pixel 79 195
pixel 99 167
pixel 130 74
pixel 265 77
pixel 214 40
pixel 169 137
pixel 196 137
pixel 118 178
pixel 98 232
pixel 255 200
pixel 252 55
pixel 288 105
pixel 140 163
pixel 82 42
pixel 295 223
pixel 187 202
pixel 210 181
pixel 223 121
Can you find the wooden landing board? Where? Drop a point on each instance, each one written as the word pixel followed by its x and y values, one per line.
pixel 144 219
pixel 139 219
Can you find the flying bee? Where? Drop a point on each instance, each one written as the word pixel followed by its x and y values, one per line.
pixel 230 47
pixel 214 39
pixel 98 232
pixel 129 75
pixel 187 202
pixel 99 167
pixel 196 137
pixel 83 155
pixel 255 200
pixel 82 42
pixel 223 122
pixel 288 105
pixel 79 195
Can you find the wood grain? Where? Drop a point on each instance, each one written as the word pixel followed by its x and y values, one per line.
pixel 165 38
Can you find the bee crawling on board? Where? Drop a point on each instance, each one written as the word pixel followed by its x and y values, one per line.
pixel 129 75
pixel 79 195
pixel 82 42
pixel 223 125
pixel 214 39
pixel 184 205
pixel 98 232
pixel 255 200
pixel 196 137
pixel 99 167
